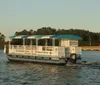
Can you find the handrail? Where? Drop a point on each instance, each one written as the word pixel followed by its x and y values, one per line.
pixel 36 50
pixel 33 47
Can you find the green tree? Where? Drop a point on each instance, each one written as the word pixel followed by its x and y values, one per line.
pixel 46 31
pixel 88 38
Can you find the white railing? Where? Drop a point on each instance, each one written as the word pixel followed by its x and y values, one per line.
pixel 29 47
pixel 34 50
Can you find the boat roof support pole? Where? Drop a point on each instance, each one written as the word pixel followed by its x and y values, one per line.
pixel 31 43
pixel 24 44
pixel 59 42
pixel 9 42
pixel 46 44
pixel 23 41
pixel 36 44
pixel 53 42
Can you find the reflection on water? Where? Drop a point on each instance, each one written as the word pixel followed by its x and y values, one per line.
pixel 12 73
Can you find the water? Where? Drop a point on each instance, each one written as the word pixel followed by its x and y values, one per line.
pixel 43 74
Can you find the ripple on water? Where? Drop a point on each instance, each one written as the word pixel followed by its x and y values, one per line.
pixel 44 74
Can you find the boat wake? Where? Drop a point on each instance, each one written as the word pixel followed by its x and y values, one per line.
pixel 84 63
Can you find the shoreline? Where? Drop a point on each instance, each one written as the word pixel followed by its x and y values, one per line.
pixel 85 48
pixel 90 48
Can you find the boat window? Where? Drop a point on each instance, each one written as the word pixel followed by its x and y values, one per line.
pixel 57 42
pixel 16 42
pixel 73 43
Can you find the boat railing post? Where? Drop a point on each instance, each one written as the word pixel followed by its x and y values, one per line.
pixel 36 44
pixel 46 43
pixel 59 42
pixel 31 46
pixel 9 42
pixel 24 44
pixel 9 46
pixel 59 47
pixel 53 43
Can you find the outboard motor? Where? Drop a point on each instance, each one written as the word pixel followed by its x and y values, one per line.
pixel 73 58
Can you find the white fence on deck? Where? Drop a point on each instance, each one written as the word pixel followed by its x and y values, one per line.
pixel 37 50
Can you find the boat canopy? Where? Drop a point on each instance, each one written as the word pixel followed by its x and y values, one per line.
pixel 71 37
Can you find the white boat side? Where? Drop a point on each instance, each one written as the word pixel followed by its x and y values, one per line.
pixel 66 50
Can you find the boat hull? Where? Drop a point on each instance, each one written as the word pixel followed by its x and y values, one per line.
pixel 35 59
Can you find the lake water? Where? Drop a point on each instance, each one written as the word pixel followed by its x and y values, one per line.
pixel 45 74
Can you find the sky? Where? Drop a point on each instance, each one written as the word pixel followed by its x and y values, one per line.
pixel 16 15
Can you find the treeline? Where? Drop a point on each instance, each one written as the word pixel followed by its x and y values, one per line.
pixel 2 40
pixel 88 38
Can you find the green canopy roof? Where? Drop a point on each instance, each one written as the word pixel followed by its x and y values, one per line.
pixel 72 37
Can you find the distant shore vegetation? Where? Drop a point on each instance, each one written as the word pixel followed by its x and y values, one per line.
pixel 88 38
